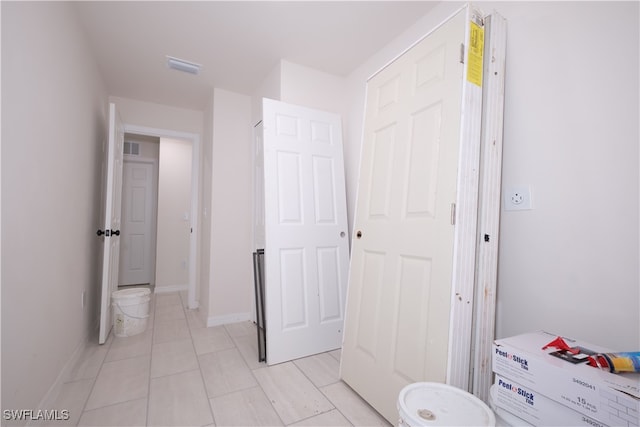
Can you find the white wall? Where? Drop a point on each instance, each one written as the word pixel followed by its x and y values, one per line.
pixel 269 88
pixel 53 127
pixel 570 265
pixel 165 117
pixel 311 88
pixel 231 265
pixel 206 219
pixel 300 85
pixel 174 215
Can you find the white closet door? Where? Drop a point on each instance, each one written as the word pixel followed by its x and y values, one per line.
pixel 306 246
pixel 400 283
pixel 137 257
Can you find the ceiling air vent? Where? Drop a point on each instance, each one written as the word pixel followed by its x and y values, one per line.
pixel 182 65
pixel 132 148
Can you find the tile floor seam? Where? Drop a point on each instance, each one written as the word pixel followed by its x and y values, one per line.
pixel 309 378
pixel 265 393
pixel 86 399
pixel 155 306
pixel 321 413
pixel 95 379
pixel 235 345
pixel 265 366
pixel 204 385
pixel 243 387
pixel 292 362
pixel 337 409
pixel 320 390
pixel 110 405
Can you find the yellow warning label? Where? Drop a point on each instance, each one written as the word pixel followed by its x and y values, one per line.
pixel 476 49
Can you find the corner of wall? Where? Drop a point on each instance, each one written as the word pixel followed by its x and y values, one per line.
pixel 271 87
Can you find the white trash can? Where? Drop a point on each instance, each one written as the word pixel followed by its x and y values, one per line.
pixel 435 404
pixel 130 311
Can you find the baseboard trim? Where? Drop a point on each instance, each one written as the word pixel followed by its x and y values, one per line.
pixel 170 288
pixel 228 318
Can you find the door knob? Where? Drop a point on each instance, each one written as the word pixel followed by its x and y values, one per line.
pixel 358 234
pixel 115 232
pixel 100 233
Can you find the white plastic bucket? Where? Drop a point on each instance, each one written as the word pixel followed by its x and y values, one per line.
pixel 435 404
pixel 130 311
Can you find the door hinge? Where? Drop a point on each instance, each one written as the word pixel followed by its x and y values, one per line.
pixel 453 214
pixel 462 53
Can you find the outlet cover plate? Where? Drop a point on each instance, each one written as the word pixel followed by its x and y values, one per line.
pixel 518 199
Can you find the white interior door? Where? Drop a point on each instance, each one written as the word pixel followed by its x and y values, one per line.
pixel 111 231
pixel 306 246
pixel 400 282
pixel 137 256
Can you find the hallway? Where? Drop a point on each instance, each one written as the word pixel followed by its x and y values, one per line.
pixel 180 373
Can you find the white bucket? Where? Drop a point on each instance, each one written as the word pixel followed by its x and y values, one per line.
pixel 435 404
pixel 130 311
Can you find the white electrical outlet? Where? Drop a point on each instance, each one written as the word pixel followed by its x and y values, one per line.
pixel 517 199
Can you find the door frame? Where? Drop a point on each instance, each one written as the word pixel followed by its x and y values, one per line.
pixel 194 139
pixel 490 201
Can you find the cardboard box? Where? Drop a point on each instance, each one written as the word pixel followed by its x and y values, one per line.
pixel 612 399
pixel 535 408
pixel 508 419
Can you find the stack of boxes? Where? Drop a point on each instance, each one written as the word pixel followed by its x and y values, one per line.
pixel 545 390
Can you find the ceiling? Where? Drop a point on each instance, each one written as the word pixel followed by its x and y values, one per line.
pixel 237 42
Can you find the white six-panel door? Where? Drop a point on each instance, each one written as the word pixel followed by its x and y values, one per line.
pixel 399 302
pixel 306 245
pixel 137 260
pixel 112 214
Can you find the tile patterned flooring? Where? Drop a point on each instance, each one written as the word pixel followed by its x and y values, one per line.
pixel 180 373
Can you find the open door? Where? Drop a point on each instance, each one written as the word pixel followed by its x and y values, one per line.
pixel 111 232
pixel 306 245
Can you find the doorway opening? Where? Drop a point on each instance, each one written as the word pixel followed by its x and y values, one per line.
pixel 138 237
pixel 160 211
